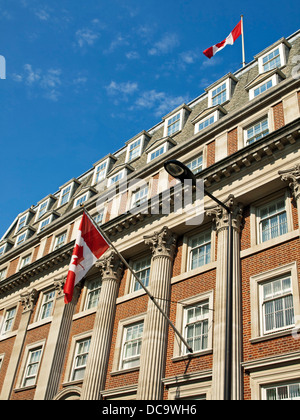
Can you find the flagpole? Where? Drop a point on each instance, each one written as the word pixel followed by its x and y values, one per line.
pixel 138 280
pixel 243 41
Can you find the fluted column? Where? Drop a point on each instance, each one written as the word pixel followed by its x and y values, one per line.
pixel 293 177
pixel 55 349
pixel 220 217
pixel 154 346
pixel 111 269
pixel 28 300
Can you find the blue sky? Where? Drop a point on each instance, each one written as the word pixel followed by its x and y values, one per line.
pixel 85 76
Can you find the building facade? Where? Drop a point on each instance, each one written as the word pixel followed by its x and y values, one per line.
pixel 241 137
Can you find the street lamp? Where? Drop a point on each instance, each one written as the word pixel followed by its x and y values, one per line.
pixel 180 171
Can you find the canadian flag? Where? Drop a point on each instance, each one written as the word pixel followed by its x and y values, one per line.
pixel 89 247
pixel 232 37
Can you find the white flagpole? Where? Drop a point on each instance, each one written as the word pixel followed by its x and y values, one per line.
pixel 138 280
pixel 243 41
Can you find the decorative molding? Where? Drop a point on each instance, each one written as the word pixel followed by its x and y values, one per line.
pixel 292 176
pixel 220 215
pixel 162 243
pixel 110 266
pixel 28 300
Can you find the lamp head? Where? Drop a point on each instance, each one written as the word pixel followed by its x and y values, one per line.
pixel 179 171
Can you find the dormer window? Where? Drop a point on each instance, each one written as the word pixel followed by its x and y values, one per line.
pixel 117 177
pixel 21 238
pixel 221 91
pixel 22 222
pixel 2 249
pixel 208 117
pixel 42 209
pixel 102 168
pixel 159 147
pixel 175 121
pixel 136 145
pixel 119 173
pixel 45 223
pixel 273 57
pixel 263 82
pixel 67 191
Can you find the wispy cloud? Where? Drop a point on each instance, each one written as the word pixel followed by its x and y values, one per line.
pixel 132 55
pixel 48 81
pixel 159 102
pixel 86 37
pixel 119 41
pixel 123 88
pixel 42 14
pixel 165 45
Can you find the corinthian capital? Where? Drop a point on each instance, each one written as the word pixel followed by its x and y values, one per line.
pixel 220 215
pixel 28 300
pixel 162 243
pixel 292 176
pixel 110 266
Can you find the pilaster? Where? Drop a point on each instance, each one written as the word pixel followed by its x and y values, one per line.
pixel 154 346
pixel 110 269
pixel 292 176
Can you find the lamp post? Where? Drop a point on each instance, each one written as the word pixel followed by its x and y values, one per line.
pixel 180 171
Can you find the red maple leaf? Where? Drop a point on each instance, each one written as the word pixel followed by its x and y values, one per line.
pixel 78 255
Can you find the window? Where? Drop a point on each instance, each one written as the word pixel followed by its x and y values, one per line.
pixel 257 131
pixel 134 149
pixel 206 123
pixel 21 239
pixel 65 195
pixel 271 60
pixel 22 222
pixel 262 88
pixel 3 274
pixel 272 220
pixel 47 305
pixel 282 392
pixel 2 250
pixel 277 304
pixel 98 219
pixel 200 250
pixel 119 175
pixel 101 170
pixel 173 124
pixel 80 359
pixel 42 209
pixel 60 240
pixel 196 164
pixel 140 196
pixel 219 95
pixel 45 223
pixel 93 293
pixel 131 347
pixel 25 261
pixel 8 320
pixel 32 367
pixel 80 200
pixel 196 321
pixel 142 270
pixel 157 152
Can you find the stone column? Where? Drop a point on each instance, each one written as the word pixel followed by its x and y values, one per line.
pixel 220 217
pixel 154 346
pixel 111 269
pixel 28 300
pixel 57 341
pixel 293 177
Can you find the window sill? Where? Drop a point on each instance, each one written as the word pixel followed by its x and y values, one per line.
pixel 39 323
pixel 120 372
pixel 192 355
pixel 25 388
pixel 183 276
pixel 272 335
pixel 72 383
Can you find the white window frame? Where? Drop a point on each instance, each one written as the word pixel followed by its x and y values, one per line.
pixel 252 125
pixel 44 303
pixel 25 217
pixel 200 320
pixel 61 195
pixel 24 366
pixel 58 245
pixel 101 168
pixel 190 249
pixel 77 355
pixel 2 250
pixel 135 286
pixel 263 301
pixel 45 209
pixel 23 262
pixel 48 219
pixel 164 147
pixel 117 177
pixel 182 305
pixel 99 215
pixel 138 149
pixel 126 341
pixel 259 220
pixel 3 273
pixel 256 281
pixel 276 387
pixel 23 240
pixel 86 196
pixel 194 164
pixel 135 197
pixel 6 319
pixel 93 288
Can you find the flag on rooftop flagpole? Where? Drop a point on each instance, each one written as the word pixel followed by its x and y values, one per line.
pixel 232 37
pixel 89 247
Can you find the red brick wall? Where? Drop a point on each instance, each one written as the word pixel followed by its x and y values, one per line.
pixel 211 151
pixel 232 141
pixel 47 246
pixel 278 116
pixel 13 265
